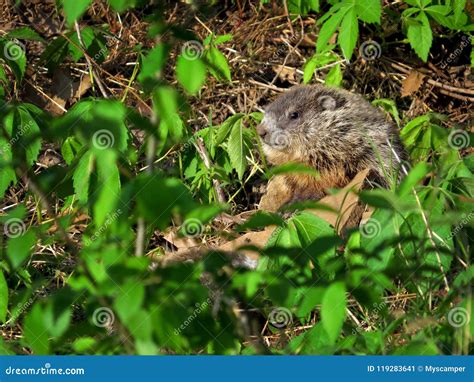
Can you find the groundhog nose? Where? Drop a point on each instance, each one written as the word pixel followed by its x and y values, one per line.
pixel 261 130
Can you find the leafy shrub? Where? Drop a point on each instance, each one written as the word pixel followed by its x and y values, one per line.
pixel 101 295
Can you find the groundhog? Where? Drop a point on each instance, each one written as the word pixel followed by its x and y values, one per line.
pixel 336 132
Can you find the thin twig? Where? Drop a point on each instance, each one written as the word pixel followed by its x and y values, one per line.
pixel 89 63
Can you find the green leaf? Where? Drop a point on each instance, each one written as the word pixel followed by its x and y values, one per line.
pixel 122 5
pixel 458 6
pixel 292 167
pixel 420 36
pixel 55 53
pixel 57 313
pixel 415 175
pixel 19 247
pixel 83 344
pixel 237 149
pixel 81 177
pixel 7 173
pixel 217 64
pixel 25 33
pixel 27 132
pixel 129 300
pixel 3 297
pixel 153 63
pixel 442 10
pixel 165 102
pixel 333 310
pixel 223 131
pixel 318 60
pixel 70 148
pixel 312 296
pixel 76 49
pixel 389 106
pixel 349 33
pixel 191 74
pixel 35 331
pixel 369 11
pixel 302 7
pixel 74 9
pixel 13 52
pixel 109 185
pixel 334 76
pixel 329 27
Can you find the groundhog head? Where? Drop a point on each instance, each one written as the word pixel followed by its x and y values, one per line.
pixel 325 127
pixel 297 119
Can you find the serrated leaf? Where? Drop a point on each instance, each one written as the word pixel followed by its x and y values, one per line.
pixel 333 310
pixel 369 11
pixel 81 177
pixel 25 33
pixel 236 148
pixel 74 9
pixel 191 74
pixel 217 64
pixel 420 36
pixel 69 149
pixel 349 33
pixel 225 128
pixel 329 27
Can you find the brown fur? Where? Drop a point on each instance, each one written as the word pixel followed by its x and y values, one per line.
pixel 331 130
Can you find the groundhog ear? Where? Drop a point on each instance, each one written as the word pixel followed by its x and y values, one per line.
pixel 327 102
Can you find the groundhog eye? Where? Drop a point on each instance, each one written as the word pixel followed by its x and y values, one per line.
pixel 294 115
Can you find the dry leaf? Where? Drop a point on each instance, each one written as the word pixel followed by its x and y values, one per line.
pixel 412 83
pixel 285 73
